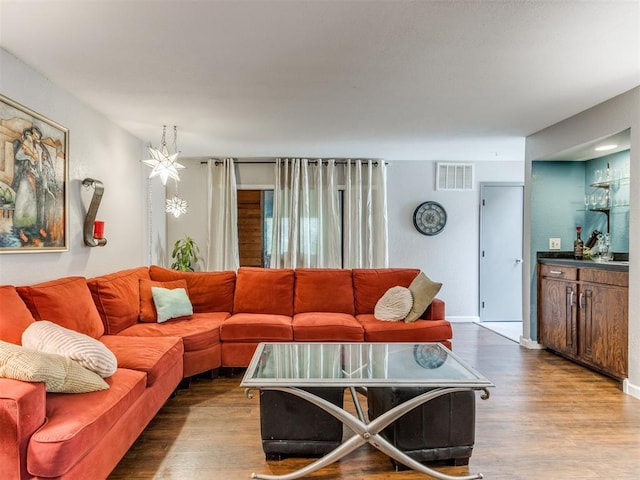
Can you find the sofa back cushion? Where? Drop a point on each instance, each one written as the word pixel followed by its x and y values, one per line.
pixel 208 291
pixel 370 284
pixel 264 290
pixel 15 317
pixel 323 290
pixel 117 297
pixel 66 301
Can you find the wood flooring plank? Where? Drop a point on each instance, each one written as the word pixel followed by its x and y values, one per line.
pixel 547 418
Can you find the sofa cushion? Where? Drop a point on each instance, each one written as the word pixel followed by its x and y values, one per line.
pixel 326 327
pixel 200 331
pixel 264 290
pixel 48 337
pixel 171 303
pixel 66 301
pixel 256 327
pixel 15 317
pixel 323 290
pixel 370 284
pixel 423 291
pixel 76 423
pixel 152 356
pixel 148 312
pixel 208 291
pixel 58 373
pixel 117 297
pixel 419 331
pixel 394 305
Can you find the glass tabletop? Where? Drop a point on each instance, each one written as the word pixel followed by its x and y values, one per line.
pixel 297 364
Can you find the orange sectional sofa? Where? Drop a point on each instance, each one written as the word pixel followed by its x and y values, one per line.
pixel 84 435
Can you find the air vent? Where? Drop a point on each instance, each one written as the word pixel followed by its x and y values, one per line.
pixel 454 176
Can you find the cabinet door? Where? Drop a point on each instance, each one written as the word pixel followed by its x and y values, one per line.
pixel 603 327
pixel 557 326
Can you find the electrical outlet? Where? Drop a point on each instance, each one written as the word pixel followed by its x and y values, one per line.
pixel 554 244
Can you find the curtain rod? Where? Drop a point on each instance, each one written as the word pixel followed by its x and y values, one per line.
pixel 271 162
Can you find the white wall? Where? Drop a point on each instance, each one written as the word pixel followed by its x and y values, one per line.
pixel 451 257
pixel 97 149
pixel 612 116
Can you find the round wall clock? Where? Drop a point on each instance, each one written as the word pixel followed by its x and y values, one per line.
pixel 430 218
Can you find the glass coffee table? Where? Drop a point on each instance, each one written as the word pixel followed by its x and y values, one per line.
pixel 295 367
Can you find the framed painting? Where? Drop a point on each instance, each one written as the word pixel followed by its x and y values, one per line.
pixel 34 168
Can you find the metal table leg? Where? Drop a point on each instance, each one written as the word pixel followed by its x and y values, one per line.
pixel 367 432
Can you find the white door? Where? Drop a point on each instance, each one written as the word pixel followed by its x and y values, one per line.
pixel 501 223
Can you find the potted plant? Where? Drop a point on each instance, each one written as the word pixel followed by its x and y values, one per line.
pixel 185 254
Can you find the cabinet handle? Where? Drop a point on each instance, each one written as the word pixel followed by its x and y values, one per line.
pixel 571 298
pixel 556 272
pixel 581 300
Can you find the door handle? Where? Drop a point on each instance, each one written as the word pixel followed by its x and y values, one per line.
pixel 571 298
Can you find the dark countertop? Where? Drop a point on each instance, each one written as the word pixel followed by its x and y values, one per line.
pixel 620 262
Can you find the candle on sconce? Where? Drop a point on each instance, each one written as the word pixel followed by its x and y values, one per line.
pixel 98 229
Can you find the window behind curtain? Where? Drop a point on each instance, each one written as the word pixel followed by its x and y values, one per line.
pixel 255 224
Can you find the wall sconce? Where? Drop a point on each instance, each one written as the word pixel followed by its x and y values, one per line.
pixel 164 164
pixel 94 230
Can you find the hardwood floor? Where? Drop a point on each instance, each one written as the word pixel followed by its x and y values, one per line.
pixel 547 418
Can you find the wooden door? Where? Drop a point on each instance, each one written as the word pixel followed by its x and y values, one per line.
pixel 603 327
pixel 557 308
pixel 557 315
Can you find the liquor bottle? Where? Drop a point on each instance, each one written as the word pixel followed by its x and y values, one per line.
pixel 593 238
pixel 578 245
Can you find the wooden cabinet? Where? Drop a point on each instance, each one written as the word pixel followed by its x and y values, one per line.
pixel 583 315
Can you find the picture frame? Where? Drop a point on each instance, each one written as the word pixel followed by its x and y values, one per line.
pixel 34 171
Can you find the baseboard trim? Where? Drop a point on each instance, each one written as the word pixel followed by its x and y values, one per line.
pixel 530 344
pixel 630 389
pixel 463 319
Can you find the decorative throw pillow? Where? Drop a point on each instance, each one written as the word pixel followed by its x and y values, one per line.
pixel 49 337
pixel 394 305
pixel 171 303
pixel 59 374
pixel 424 290
pixel 148 313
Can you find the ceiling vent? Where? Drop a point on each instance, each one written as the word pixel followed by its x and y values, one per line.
pixel 454 176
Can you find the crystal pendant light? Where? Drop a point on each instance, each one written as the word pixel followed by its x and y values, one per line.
pixel 176 205
pixel 164 164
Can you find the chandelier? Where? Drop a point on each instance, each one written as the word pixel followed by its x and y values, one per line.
pixel 163 163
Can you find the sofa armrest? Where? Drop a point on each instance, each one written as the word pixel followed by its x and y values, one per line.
pixel 22 412
pixel 435 311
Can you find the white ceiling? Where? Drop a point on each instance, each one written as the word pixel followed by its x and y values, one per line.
pixel 390 79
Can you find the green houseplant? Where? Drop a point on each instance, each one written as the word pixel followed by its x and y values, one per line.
pixel 185 254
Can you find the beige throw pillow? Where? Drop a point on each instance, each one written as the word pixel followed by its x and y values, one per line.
pixel 59 374
pixel 424 290
pixel 48 337
pixel 394 305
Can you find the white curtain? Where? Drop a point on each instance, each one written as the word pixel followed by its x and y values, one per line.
pixel 306 215
pixel 222 227
pixel 365 215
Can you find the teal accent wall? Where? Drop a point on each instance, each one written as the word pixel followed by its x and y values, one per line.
pixel 558 192
pixel 619 192
pixel 558 202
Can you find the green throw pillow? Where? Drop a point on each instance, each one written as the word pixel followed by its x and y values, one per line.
pixel 424 290
pixel 171 303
